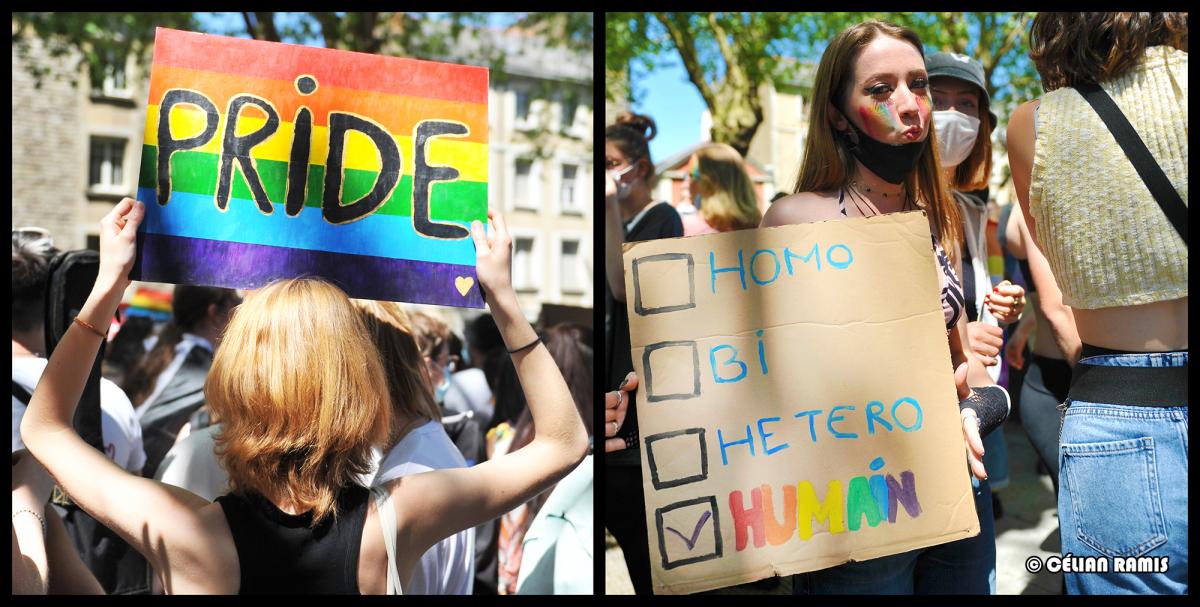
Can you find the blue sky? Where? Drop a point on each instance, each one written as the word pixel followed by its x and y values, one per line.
pixel 674 104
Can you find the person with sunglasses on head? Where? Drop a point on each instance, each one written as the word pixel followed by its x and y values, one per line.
pixel 631 215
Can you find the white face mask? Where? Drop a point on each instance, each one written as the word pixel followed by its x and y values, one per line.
pixel 956 133
pixel 622 188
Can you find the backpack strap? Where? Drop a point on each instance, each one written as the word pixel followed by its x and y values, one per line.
pixel 1152 174
pixel 21 393
pixel 387 520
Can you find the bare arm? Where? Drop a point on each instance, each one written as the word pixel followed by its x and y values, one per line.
pixel 1050 302
pixel 435 505
pixel 137 509
pixel 68 574
pixel 29 569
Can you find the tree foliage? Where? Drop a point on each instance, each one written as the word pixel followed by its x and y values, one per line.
pixel 728 55
pixel 97 37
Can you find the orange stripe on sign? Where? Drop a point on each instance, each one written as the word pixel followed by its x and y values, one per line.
pixel 342 69
pixel 398 114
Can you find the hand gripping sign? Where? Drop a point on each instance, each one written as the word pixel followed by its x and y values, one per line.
pixel 265 160
pixel 797 405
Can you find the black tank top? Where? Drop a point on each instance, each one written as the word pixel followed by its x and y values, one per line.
pixel 278 553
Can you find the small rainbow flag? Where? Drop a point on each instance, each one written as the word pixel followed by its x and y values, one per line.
pixel 151 303
pixel 265 160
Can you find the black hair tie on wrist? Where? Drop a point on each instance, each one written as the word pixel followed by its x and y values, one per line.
pixel 531 344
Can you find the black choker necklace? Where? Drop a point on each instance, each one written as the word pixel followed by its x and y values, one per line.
pixel 868 190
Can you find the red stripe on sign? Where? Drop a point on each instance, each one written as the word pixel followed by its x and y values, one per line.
pixel 344 69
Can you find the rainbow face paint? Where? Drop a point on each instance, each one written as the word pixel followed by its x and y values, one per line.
pixel 881 120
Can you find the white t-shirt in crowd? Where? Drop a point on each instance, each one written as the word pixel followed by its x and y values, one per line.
pixel 469 391
pixel 449 566
pixel 119 429
pixel 192 464
pixel 185 345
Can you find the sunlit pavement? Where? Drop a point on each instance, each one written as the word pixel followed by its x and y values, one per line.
pixel 1028 528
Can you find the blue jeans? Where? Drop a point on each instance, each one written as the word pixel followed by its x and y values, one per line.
pixel 966 566
pixel 1124 487
pixel 995 458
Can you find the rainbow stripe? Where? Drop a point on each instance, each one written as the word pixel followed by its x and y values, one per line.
pixel 189 240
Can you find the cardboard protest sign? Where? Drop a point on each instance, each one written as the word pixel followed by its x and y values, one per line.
pixel 265 160
pixel 797 406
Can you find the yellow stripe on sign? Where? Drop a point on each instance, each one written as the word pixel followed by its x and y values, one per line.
pixel 469 158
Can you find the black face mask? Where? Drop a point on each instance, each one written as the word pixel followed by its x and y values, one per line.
pixel 891 162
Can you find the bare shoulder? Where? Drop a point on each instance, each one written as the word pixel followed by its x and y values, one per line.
pixel 1020 124
pixel 802 207
pixel 201 558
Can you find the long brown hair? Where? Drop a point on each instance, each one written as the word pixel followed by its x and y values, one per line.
pixel 189 306
pixel 729 201
pixel 408 384
pixel 1075 48
pixel 828 165
pixel 301 393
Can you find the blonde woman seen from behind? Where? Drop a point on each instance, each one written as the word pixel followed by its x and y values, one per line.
pixel 297 384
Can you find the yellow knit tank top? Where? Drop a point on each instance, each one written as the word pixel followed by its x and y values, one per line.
pixel 1107 240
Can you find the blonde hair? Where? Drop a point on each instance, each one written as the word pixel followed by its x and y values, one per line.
pixel 728 198
pixel 828 165
pixel 299 389
pixel 408 385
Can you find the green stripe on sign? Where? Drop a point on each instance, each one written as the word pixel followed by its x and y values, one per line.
pixel 196 173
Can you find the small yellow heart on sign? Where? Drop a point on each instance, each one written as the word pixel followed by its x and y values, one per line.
pixel 464 284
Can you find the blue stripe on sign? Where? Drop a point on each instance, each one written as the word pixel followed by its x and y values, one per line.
pixel 197 216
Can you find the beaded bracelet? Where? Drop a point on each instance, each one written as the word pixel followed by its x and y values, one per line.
pixel 39 518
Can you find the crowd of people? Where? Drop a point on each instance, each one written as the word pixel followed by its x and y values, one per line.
pixel 1074 298
pixel 291 439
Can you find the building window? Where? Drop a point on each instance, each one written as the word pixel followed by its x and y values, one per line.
pixel 571 281
pixel 106 172
pixel 567 189
pixel 523 194
pixel 568 112
pixel 109 77
pixel 524 275
pixel 522 106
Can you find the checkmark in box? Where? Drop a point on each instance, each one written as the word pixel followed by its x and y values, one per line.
pixel 688 532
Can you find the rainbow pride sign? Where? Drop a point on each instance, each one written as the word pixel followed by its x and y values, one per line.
pixel 265 160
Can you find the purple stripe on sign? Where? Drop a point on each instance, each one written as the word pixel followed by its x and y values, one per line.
pixel 197 261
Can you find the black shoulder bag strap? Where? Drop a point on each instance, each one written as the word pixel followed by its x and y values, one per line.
pixel 1152 174
pixel 21 393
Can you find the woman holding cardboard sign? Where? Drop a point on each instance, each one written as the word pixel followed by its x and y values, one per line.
pixel 871 151
pixel 300 418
